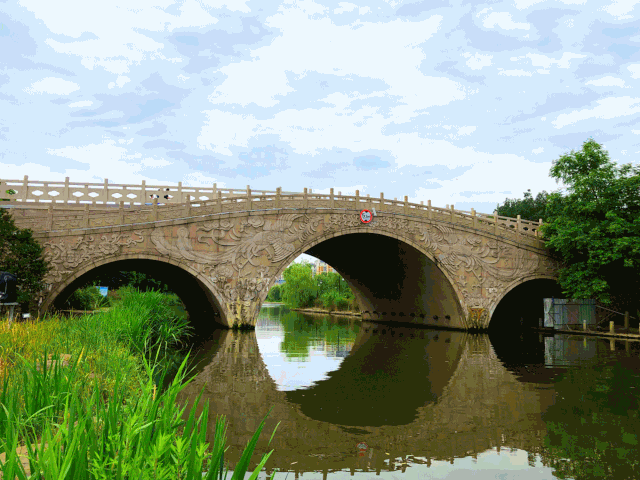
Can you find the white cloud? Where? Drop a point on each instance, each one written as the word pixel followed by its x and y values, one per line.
pixel 538 150
pixel 120 82
pixel 608 108
pixel 618 8
pixel 364 10
pixel 233 5
pixel 383 51
pixel 466 130
pixel 183 78
pixel 52 85
pixel 514 73
pixel 478 61
pixel 117 24
pixel 502 20
pixel 635 70
pixel 538 60
pixel 84 103
pixel 607 81
pixel 345 7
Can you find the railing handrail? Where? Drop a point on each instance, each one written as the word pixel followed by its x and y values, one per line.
pixel 222 196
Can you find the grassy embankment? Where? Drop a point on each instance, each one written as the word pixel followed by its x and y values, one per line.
pixel 81 395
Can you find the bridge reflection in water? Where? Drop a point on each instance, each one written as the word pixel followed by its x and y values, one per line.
pixel 415 394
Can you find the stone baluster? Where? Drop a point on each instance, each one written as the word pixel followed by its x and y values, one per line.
pixel 66 194
pixel 279 197
pixel 429 208
pixel 406 205
pixel 180 199
pixel 305 202
pixel 357 199
pixel 495 222
pixel 215 191
pixel 121 212
pixel 143 192
pixel 155 209
pixel 519 225
pixel 106 191
pixel 25 188
pixel 218 202
pixel 475 219
pixel 382 201
pixel 452 214
pixel 249 200
pixel 331 198
pixel 187 206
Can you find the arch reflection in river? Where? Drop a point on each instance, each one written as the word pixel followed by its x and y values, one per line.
pixel 436 395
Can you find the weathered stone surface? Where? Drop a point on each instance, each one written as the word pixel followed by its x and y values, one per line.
pixel 237 256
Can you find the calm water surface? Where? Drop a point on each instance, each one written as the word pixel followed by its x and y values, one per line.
pixel 366 400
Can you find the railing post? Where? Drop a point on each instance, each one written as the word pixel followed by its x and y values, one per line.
pixel 538 232
pixel 584 325
pixel 187 206
pixel 475 219
pixel 429 208
pixel 143 192
pixel 106 191
pixel 331 198
pixel 357 199
pixel 25 188
pixel 406 205
pixel 382 201
pixel 155 209
pixel 278 197
pixel 86 216
pixel 121 212
pixel 50 217
pixel 452 215
pixel 219 201
pixel 65 195
pixel 626 320
pixel 495 222
pixel 611 327
pixel 180 199
pixel 305 202
pixel 249 200
pixel 518 224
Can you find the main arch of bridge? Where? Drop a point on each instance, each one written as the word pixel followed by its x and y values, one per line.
pixel 398 263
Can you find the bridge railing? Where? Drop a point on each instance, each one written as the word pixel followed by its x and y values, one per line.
pixel 50 215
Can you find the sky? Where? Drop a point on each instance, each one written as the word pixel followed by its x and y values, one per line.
pixel 459 102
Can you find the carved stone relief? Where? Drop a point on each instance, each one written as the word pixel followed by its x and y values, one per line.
pixel 66 256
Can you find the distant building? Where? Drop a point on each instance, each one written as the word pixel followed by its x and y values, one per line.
pixel 322 267
pixel 279 280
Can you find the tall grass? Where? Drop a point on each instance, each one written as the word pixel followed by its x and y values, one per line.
pixel 101 415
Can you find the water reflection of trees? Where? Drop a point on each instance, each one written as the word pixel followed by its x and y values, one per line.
pixel 592 429
pixel 302 333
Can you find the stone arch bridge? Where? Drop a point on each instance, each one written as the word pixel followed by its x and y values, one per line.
pixel 442 266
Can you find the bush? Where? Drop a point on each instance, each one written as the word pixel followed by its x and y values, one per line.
pixel 343 303
pixel 330 299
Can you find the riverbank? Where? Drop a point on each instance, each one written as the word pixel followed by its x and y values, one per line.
pixel 619 332
pixel 320 311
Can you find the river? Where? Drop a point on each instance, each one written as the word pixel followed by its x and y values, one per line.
pixel 364 400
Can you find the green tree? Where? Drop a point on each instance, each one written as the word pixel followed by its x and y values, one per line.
pixel 22 255
pixel 275 294
pixel 299 289
pixel 595 229
pixel 528 208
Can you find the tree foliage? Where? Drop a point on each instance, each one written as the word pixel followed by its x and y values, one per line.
pixel 529 208
pixel 22 255
pixel 595 228
pixel 298 288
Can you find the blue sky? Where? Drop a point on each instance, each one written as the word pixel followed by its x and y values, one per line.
pixel 455 101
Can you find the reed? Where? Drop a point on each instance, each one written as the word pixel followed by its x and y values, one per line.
pixel 96 412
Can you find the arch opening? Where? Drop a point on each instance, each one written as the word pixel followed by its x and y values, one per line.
pixel 524 301
pixel 203 310
pixel 393 278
